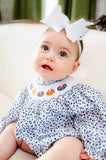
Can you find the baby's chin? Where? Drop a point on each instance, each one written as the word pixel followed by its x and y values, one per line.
pixel 46 79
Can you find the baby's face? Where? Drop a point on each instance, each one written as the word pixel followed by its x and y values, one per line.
pixel 55 56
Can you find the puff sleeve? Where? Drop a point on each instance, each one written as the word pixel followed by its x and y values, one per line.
pixel 89 115
pixel 14 111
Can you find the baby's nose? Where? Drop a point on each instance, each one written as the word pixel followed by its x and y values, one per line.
pixel 50 57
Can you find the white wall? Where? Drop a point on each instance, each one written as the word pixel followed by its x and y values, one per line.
pixel 100 8
pixel 49 4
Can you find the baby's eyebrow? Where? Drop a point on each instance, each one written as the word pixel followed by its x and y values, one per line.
pixel 64 48
pixel 46 42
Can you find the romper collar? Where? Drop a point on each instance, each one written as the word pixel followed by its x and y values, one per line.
pixel 47 83
pixel 41 91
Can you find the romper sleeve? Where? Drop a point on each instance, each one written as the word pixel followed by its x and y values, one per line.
pixel 14 111
pixel 90 120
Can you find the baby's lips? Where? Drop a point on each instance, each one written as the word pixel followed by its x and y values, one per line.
pixel 47 67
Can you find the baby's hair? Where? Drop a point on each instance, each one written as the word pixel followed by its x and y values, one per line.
pixel 82 46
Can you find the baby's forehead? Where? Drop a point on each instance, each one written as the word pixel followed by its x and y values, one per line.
pixel 59 37
pixel 51 30
pixel 51 34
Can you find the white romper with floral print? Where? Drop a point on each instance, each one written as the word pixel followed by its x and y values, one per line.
pixel 46 112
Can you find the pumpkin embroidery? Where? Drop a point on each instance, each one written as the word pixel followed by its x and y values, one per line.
pixel 40 93
pixel 62 87
pixel 50 92
pixel 34 91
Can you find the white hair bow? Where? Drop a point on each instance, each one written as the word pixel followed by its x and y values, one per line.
pixel 58 21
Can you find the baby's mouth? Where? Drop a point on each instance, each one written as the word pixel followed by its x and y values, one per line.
pixel 47 67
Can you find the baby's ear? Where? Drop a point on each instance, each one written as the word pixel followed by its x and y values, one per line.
pixel 75 66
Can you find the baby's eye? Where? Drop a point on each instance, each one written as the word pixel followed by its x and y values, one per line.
pixel 45 47
pixel 63 54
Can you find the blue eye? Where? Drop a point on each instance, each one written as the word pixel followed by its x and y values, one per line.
pixel 45 47
pixel 63 54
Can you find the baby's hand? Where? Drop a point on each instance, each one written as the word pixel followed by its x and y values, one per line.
pixel 84 155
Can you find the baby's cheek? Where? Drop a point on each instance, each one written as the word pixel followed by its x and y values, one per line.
pixel 35 61
pixel 35 55
pixel 35 65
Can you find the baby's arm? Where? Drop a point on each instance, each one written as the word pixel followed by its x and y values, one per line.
pixel 88 111
pixel 14 111
pixel 90 122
